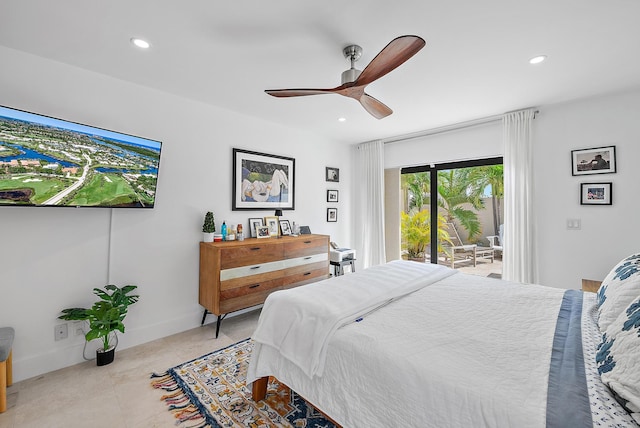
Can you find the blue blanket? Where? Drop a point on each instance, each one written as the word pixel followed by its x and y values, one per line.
pixel 567 397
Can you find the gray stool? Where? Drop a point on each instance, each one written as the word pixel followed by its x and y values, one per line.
pixel 6 369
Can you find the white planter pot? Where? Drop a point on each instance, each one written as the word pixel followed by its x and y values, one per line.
pixel 207 237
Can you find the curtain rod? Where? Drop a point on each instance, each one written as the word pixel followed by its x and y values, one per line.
pixel 447 128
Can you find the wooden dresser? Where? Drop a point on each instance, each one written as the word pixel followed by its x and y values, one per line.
pixel 236 275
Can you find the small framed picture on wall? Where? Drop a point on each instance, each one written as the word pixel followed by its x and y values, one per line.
pixel 332 174
pixel 332 214
pixel 332 196
pixel 600 160
pixel 595 194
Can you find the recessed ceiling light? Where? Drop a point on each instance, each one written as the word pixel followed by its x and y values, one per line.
pixel 140 43
pixel 537 59
pixel 342 119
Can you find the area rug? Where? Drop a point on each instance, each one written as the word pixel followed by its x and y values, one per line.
pixel 210 391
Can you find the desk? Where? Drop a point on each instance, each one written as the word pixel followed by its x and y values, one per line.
pixel 338 267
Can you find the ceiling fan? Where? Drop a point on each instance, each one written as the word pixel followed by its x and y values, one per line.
pixel 355 81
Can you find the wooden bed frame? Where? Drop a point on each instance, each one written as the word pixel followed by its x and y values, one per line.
pixel 259 389
pixel 259 392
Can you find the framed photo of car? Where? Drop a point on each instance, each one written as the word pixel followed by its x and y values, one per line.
pixel 599 160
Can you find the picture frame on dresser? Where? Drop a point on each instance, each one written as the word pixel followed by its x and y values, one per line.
pixel 272 223
pixel 254 223
pixel 262 181
pixel 262 232
pixel 285 227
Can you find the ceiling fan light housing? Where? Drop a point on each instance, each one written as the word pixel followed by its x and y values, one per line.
pixel 352 53
pixel 350 75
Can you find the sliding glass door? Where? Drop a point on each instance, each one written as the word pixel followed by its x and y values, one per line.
pixel 452 214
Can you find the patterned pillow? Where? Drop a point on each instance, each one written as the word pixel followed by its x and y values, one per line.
pixel 617 290
pixel 618 358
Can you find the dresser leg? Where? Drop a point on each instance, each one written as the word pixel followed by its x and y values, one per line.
pixel 204 316
pixel 220 318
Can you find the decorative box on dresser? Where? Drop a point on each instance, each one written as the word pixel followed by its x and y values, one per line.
pixel 237 275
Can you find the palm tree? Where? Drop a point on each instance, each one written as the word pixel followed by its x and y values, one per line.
pixel 457 187
pixel 417 185
pixel 493 176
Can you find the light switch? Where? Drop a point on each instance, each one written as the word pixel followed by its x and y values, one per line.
pixel 573 224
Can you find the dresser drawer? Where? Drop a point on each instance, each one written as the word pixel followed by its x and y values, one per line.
pixel 255 293
pixel 244 271
pixel 305 246
pixel 312 273
pixel 249 287
pixel 253 254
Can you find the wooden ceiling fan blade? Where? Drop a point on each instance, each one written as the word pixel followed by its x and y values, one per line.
pixel 282 93
pixel 398 51
pixel 376 108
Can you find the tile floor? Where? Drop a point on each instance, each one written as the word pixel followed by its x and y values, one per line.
pixel 118 395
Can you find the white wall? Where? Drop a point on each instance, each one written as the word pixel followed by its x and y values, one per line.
pixel 51 258
pixel 482 141
pixel 608 233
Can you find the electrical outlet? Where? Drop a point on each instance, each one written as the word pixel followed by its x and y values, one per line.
pixel 574 224
pixel 61 331
pixel 77 328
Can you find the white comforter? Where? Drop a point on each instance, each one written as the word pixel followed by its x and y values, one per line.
pixel 464 352
pixel 299 322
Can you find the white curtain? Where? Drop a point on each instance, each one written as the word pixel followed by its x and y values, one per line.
pixel 369 209
pixel 519 257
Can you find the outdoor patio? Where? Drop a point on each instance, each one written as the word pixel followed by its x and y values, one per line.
pixel 483 267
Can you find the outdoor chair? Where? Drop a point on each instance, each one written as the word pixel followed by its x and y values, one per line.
pixel 495 241
pixel 458 252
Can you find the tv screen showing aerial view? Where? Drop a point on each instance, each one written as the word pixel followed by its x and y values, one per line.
pixel 52 162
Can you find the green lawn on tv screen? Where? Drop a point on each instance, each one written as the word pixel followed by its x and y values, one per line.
pixel 42 190
pixel 106 190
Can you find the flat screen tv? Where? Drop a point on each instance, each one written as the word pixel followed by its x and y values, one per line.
pixel 51 162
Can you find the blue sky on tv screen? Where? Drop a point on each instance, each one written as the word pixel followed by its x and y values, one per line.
pixel 85 129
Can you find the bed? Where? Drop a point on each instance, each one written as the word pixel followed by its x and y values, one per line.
pixel 413 344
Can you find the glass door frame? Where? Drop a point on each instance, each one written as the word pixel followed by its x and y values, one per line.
pixel 433 189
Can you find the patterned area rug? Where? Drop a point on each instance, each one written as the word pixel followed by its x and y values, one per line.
pixel 210 391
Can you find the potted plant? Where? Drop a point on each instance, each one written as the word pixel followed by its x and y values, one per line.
pixel 416 233
pixel 104 318
pixel 208 227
